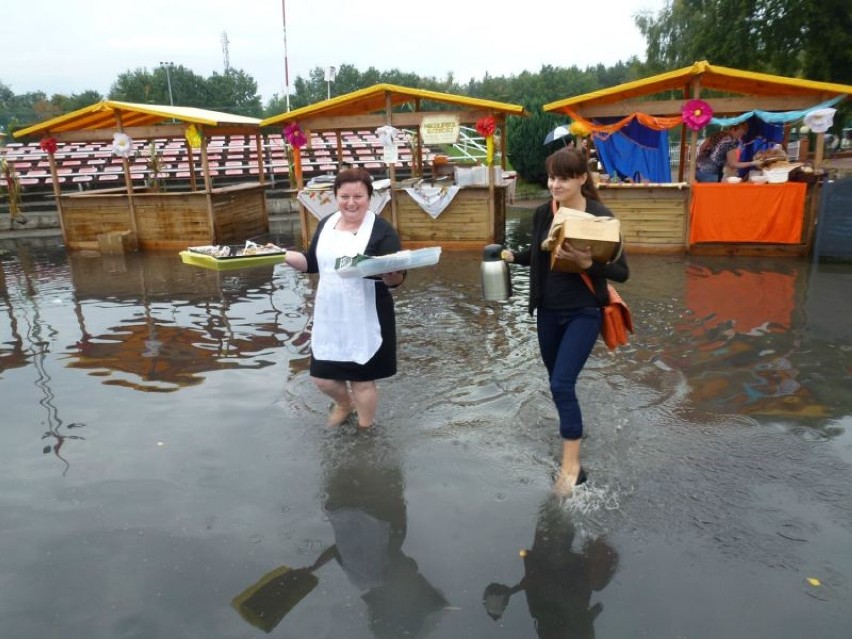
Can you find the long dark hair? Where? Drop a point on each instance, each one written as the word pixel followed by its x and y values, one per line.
pixel 711 141
pixel 567 163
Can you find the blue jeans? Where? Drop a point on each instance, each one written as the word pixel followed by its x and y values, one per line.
pixel 706 176
pixel 566 339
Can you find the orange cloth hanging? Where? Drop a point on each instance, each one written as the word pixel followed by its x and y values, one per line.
pixel 651 121
pixel 766 213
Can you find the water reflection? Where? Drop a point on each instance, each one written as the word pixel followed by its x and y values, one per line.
pixel 740 342
pixel 559 577
pixel 155 349
pixel 364 501
pixel 33 347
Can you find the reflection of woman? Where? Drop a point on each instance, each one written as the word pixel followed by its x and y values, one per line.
pixel 366 506
pixel 365 503
pixel 720 151
pixel 558 580
pixel 568 313
pixel 353 341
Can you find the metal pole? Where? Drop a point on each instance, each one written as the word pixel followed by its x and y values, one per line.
pixel 166 66
pixel 286 66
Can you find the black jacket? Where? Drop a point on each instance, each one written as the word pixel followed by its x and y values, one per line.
pixel 539 260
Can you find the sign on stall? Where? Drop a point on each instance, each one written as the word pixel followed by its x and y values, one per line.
pixel 439 129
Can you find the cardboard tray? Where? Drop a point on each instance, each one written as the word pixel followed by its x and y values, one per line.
pixel 230 263
pixel 601 235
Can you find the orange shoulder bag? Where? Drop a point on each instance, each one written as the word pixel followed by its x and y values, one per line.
pixel 617 320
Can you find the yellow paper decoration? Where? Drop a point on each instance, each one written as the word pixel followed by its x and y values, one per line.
pixel 489 150
pixel 578 129
pixel 193 137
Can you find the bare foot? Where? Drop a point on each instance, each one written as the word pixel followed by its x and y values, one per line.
pixel 338 415
pixel 565 483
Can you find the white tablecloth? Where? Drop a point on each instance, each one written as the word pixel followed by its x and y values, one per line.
pixel 321 204
pixel 433 199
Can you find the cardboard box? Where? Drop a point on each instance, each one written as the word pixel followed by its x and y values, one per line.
pixel 117 243
pixel 601 234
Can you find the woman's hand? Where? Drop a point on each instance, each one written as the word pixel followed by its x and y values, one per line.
pixel 393 279
pixel 581 257
pixel 507 256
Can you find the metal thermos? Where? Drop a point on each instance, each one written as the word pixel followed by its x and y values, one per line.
pixel 496 283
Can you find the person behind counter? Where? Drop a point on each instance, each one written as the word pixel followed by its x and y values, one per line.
pixel 353 340
pixel 569 316
pixel 720 151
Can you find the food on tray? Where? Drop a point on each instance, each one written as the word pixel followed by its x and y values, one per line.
pixel 771 156
pixel 248 250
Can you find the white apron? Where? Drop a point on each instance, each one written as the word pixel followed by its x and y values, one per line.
pixel 346 325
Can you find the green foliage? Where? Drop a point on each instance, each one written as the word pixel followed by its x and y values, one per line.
pixel 232 92
pixel 17 111
pixel 798 38
pixel 526 149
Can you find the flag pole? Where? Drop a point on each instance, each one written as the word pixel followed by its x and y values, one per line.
pixel 286 67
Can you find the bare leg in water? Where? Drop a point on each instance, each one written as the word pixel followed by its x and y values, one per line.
pixel 569 471
pixel 366 398
pixel 343 402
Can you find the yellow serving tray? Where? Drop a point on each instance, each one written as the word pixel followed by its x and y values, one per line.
pixel 230 263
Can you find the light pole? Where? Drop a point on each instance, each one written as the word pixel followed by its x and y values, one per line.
pixel 168 66
pixel 330 74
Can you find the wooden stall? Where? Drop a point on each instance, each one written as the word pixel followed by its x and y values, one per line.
pixel 474 214
pixel 684 216
pixel 146 217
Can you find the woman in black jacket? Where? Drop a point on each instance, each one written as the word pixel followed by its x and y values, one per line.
pixel 568 314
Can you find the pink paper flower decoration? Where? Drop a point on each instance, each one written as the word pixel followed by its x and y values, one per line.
pixel 294 135
pixel 696 114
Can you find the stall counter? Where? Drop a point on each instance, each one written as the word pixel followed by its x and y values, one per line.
pixel 748 213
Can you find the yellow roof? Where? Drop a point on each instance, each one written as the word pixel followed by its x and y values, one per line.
pixel 711 77
pixel 373 99
pixel 103 116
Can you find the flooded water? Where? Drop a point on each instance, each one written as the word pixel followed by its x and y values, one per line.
pixel 167 472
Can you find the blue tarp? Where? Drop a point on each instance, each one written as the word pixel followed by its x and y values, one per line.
pixel 638 153
pixel 635 152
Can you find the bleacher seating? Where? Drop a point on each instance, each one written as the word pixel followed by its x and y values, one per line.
pixel 232 158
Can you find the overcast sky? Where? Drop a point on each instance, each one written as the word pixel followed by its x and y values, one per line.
pixel 70 46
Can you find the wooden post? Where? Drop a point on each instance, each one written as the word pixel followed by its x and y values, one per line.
pixel 503 142
pixel 258 144
pixel 417 162
pixel 128 181
pixel 208 187
pixel 489 168
pixel 819 151
pixel 57 194
pixel 693 156
pixel 190 155
pixel 339 139
pixel 391 167
pixel 261 178
pixel 681 161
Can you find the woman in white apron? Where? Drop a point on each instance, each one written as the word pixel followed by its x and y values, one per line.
pixel 353 340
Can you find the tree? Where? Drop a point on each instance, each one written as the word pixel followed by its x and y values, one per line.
pixel 798 38
pixel 234 92
pixel 526 149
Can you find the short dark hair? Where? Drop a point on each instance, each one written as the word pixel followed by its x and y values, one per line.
pixel 354 175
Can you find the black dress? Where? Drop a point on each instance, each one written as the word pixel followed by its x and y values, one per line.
pixel 383 240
